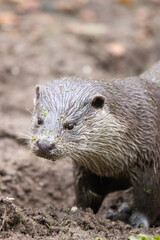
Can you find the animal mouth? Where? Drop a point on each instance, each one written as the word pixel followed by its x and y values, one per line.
pixel 45 149
pixel 53 156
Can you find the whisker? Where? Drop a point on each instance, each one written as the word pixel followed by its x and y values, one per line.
pixel 25 136
pixel 28 110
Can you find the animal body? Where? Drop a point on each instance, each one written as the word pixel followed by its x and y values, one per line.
pixel 111 130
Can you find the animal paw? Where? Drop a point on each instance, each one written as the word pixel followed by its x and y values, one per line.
pixel 139 220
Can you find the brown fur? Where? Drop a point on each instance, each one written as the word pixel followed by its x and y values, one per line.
pixel 115 140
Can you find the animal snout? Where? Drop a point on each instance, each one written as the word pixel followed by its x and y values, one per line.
pixel 45 146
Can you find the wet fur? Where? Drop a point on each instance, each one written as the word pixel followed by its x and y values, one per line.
pixel 121 140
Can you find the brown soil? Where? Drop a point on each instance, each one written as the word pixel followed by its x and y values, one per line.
pixel 46 39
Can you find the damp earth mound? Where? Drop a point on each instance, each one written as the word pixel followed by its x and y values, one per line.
pixel 45 40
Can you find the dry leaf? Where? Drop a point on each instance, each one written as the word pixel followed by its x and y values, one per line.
pixel 126 2
pixel 144 34
pixel 155 1
pixel 116 48
pixel 27 6
pixel 17 1
pixel 143 16
pixel 88 29
pixel 87 15
pixel 70 5
pixel 8 18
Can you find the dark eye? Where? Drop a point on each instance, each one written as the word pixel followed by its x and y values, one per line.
pixel 40 121
pixel 69 126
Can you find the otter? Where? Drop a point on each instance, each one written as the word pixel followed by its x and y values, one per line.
pixel 111 130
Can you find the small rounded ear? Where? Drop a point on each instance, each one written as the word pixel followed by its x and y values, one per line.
pixel 98 101
pixel 37 91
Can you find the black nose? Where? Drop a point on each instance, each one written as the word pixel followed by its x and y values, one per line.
pixel 45 146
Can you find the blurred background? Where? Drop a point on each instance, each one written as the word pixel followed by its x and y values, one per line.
pixel 41 40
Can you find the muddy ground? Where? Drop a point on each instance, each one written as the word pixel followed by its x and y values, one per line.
pixel 44 40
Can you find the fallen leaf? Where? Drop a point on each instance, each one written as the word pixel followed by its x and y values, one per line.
pixel 155 1
pixel 116 48
pixel 88 29
pixel 28 6
pixel 8 18
pixel 17 1
pixel 143 35
pixel 126 2
pixel 87 15
pixel 143 16
pixel 70 5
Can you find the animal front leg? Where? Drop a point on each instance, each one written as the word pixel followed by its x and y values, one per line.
pixel 146 186
pixel 91 189
pixel 87 189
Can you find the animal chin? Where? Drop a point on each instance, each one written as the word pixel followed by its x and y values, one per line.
pixel 42 155
pixel 55 158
